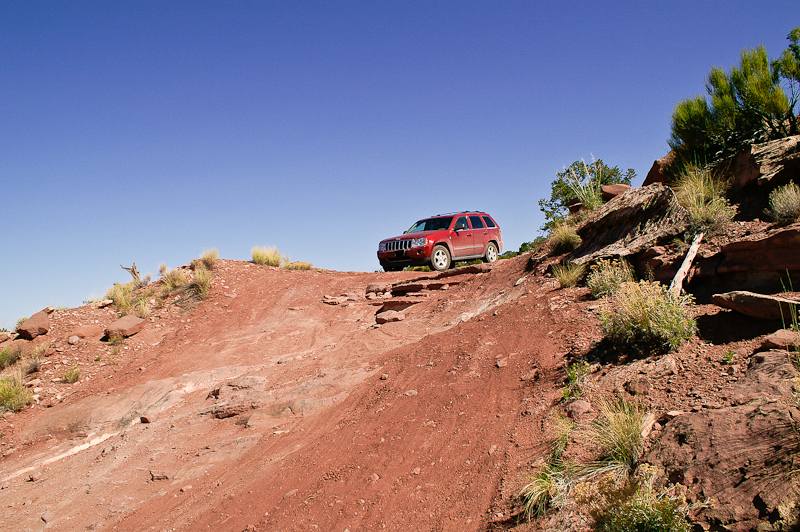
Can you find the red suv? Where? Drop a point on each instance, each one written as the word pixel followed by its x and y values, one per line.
pixel 441 240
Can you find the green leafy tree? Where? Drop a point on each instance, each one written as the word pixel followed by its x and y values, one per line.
pixel 743 106
pixel 579 175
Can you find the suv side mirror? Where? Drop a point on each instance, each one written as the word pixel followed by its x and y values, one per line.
pixel 460 227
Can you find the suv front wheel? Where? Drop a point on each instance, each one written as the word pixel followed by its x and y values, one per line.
pixel 440 258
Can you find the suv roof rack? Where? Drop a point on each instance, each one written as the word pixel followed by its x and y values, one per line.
pixel 461 212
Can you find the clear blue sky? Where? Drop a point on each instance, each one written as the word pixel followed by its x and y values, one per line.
pixel 150 131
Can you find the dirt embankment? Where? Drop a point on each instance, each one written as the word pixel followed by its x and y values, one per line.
pixel 273 409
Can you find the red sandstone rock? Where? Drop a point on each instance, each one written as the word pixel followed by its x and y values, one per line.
pixel 126 326
pixel 34 326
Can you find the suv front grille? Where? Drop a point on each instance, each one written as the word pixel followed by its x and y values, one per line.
pixel 394 245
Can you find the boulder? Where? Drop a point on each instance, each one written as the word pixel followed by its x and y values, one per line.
pixel 630 223
pixel 656 173
pixel 765 307
pixel 764 162
pixel 4 335
pixel 34 326
pixel 88 331
pixel 610 192
pixel 776 251
pixel 125 326
pixel 740 457
pixel 782 339
pixel 389 316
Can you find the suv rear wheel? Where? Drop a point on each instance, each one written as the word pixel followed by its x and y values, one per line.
pixel 491 252
pixel 440 258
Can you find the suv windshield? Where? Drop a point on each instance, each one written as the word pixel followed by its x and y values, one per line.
pixel 431 224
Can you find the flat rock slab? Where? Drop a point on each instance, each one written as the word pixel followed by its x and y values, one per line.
pixel 782 339
pixel 766 307
pixel 126 326
pixel 34 326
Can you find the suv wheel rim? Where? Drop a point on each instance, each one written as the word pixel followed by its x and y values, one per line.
pixel 440 259
pixel 491 253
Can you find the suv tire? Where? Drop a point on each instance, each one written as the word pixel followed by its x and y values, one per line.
pixel 440 258
pixel 491 252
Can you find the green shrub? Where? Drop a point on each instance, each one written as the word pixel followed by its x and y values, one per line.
pixel 617 435
pixel 647 319
pixel 72 375
pixel 606 277
pixel 638 507
pixel 14 395
pixel 9 356
pixel 564 238
pixel 209 258
pixel 784 204
pixel 267 256
pixel 703 195
pixel 298 265
pixel 568 274
pixel 576 378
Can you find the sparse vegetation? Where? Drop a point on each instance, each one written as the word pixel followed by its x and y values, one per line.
pixel 647 319
pixel 209 258
pixel 120 294
pixel 298 266
pixel 173 279
pixel 14 395
pixel 702 194
pixel 142 308
pixel 116 339
pixel 606 277
pixel 550 487
pixel 728 356
pixel 9 356
pixel 202 282
pixel 267 256
pixel 72 375
pixel 20 322
pixel 638 507
pixel 784 204
pixel 568 274
pixel 617 435
pixel 564 238
pixel 576 374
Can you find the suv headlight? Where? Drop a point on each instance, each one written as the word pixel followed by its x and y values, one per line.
pixel 418 242
pixel 382 246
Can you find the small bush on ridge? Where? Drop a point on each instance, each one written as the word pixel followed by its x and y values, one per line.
pixel 568 274
pixel 209 258
pixel 267 256
pixel 9 356
pixel 202 283
pixel 784 204
pixel 120 294
pixel 647 319
pixel 617 434
pixel 606 277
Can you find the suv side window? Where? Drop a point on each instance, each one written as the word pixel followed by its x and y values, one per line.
pixel 489 222
pixel 462 220
pixel 477 223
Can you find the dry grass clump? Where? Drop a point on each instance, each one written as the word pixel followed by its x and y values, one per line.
pixel 784 204
pixel 14 395
pixel 142 309
pixel 267 256
pixel 202 282
pixel 298 265
pixel 606 277
pixel 647 319
pixel 575 383
pixel 173 279
pixel 9 356
pixel 120 294
pixel 209 258
pixel 617 435
pixel 639 506
pixel 703 195
pixel 72 375
pixel 568 274
pixel 564 238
